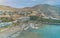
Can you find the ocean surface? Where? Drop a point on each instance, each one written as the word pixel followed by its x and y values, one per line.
pixel 46 31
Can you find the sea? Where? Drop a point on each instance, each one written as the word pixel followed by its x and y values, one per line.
pixel 45 31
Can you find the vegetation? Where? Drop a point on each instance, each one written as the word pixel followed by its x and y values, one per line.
pixel 33 18
pixel 6 19
pixel 40 19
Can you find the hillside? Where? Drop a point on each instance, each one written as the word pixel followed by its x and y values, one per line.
pixel 48 10
pixel 44 9
pixel 2 7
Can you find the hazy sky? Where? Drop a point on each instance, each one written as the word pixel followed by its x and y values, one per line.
pixel 26 3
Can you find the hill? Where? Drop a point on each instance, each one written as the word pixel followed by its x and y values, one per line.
pixel 2 7
pixel 44 9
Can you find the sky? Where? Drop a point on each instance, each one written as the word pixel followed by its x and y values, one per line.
pixel 27 3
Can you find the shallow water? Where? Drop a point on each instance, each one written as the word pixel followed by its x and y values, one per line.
pixel 48 31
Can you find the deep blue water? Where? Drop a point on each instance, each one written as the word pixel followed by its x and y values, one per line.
pixel 47 31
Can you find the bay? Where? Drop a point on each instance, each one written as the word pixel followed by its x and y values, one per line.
pixel 47 31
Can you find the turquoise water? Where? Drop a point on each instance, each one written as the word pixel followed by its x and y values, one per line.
pixel 48 31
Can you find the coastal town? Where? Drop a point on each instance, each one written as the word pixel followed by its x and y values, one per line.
pixel 14 18
pixel 14 22
pixel 29 18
